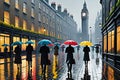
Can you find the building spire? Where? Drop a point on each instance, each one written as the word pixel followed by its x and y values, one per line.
pixel 84 5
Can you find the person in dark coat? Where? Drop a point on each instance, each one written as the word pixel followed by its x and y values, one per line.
pixel 18 55
pixel 97 50
pixel 86 51
pixel 56 48
pixel 5 51
pixel 44 50
pixel 29 50
pixel 70 60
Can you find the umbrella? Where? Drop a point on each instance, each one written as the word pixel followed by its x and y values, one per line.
pixel 84 43
pixel 29 42
pixel 16 43
pixel 57 43
pixel 97 45
pixel 5 44
pixel 44 41
pixel 70 42
pixel 50 45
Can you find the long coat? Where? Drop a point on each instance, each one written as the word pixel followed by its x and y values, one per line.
pixel 29 50
pixel 56 48
pixel 69 50
pixel 18 55
pixel 86 53
pixel 44 50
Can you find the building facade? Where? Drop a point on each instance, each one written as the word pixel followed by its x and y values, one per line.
pixel 23 20
pixel 111 39
pixel 97 32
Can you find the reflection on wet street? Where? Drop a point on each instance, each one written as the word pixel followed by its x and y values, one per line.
pixel 56 71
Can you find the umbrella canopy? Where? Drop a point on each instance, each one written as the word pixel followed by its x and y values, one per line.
pixel 5 44
pixel 44 41
pixel 70 42
pixel 97 45
pixel 16 43
pixel 57 43
pixel 84 43
pixel 29 42
pixel 50 45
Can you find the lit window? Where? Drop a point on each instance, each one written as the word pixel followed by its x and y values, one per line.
pixel 24 7
pixel 7 1
pixel 39 17
pixel 17 4
pixel 16 21
pixel 32 27
pixel 118 39
pixel 24 24
pixel 32 12
pixel 32 1
pixel 6 17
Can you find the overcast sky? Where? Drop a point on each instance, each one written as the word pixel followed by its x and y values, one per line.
pixel 74 7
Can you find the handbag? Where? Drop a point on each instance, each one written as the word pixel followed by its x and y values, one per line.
pixel 73 62
pixel 49 62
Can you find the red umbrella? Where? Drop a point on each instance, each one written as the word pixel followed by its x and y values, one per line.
pixel 50 45
pixel 70 42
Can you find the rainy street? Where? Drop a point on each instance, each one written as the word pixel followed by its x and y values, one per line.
pixel 56 71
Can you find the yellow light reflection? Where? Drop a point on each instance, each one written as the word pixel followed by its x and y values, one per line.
pixel 54 70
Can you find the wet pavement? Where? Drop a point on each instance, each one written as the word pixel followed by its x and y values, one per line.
pixel 56 71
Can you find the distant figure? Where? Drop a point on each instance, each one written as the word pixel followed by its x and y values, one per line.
pixel 78 47
pixel 18 56
pixel 70 60
pixel 44 50
pixel 29 50
pixel 56 48
pixel 97 50
pixel 63 48
pixel 5 51
pixel 86 58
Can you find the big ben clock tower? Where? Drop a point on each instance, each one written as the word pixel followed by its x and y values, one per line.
pixel 84 19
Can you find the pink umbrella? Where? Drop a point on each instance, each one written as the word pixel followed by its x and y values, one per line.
pixel 70 42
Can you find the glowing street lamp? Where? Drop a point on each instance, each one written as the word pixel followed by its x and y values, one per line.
pixel 44 30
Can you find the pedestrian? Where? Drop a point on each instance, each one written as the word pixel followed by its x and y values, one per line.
pixel 62 47
pixel 29 50
pixel 86 58
pixel 70 60
pixel 18 56
pixel 56 48
pixel 97 50
pixel 5 51
pixel 44 50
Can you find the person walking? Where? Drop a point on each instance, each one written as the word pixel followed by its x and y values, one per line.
pixel 97 50
pixel 5 51
pixel 86 58
pixel 56 48
pixel 44 50
pixel 29 50
pixel 70 60
pixel 18 56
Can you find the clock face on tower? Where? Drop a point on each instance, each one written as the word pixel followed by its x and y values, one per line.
pixel 83 14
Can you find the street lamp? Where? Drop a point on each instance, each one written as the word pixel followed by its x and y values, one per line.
pixel 44 30
pixel 90 34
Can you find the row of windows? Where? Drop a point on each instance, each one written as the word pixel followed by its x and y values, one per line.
pixel 111 40
pixel 24 26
